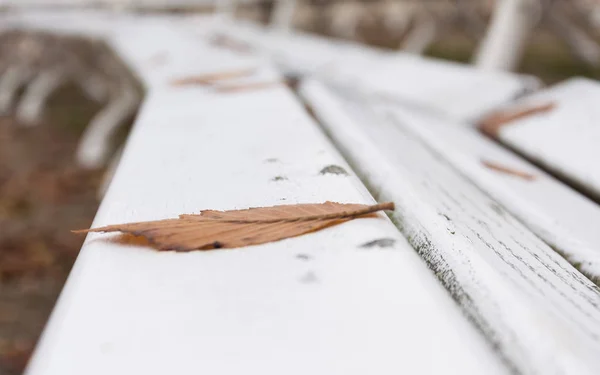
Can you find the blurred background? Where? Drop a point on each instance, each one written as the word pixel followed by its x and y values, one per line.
pixel 48 186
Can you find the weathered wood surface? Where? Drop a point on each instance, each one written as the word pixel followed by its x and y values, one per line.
pixel 562 217
pixel 327 303
pixel 540 312
pixel 566 139
pixel 452 89
pixel 136 4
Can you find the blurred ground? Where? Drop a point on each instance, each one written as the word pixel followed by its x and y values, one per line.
pixel 546 56
pixel 42 196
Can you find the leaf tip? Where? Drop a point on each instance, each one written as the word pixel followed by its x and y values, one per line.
pixel 388 206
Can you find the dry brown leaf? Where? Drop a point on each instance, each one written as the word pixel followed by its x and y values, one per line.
pixel 225 41
pixel 491 124
pixel 507 170
pixel 229 229
pixel 212 78
pixel 249 86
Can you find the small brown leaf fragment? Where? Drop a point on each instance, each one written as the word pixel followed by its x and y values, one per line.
pixel 212 78
pixel 230 229
pixel 491 124
pixel 293 81
pixel 224 41
pixel 500 168
pixel 248 86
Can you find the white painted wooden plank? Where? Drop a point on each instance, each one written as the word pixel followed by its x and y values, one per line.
pixel 504 43
pixel 152 36
pixel 452 89
pixel 336 309
pixel 147 4
pixel 422 35
pixel 565 139
pixel 539 311
pixel 345 18
pixel 84 23
pixel 562 217
pixel 94 147
pixel 283 15
pixel 455 90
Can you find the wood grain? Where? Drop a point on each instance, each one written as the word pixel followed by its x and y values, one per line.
pixel 562 217
pixel 318 304
pixel 565 140
pixel 514 287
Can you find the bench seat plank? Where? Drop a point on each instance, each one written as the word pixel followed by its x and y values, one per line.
pixel 316 304
pixel 119 4
pixel 452 89
pixel 532 304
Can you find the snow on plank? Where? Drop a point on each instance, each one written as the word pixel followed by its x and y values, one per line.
pixel 452 89
pixel 562 217
pixel 565 138
pixel 539 311
pixel 326 303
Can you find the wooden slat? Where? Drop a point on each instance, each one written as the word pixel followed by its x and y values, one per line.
pixel 136 4
pixel 324 303
pixel 452 89
pixel 539 311
pixel 566 138
pixel 562 217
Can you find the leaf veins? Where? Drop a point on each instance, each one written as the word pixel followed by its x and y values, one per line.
pixel 230 229
pixel 212 78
